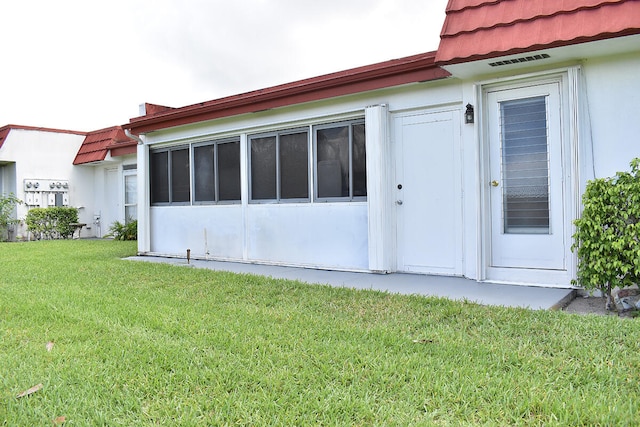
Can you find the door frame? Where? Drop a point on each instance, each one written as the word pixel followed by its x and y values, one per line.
pixel 567 81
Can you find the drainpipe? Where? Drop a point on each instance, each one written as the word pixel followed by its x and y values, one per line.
pixel 133 136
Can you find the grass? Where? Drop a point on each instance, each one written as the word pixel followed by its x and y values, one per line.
pixel 152 344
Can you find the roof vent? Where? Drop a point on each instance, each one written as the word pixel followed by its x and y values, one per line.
pixel 519 60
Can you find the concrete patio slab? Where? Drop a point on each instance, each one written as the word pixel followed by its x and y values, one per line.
pixel 455 288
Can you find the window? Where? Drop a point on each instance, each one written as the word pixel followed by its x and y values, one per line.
pixel 525 166
pixel 341 161
pixel 216 172
pixel 130 195
pixel 170 176
pixel 280 166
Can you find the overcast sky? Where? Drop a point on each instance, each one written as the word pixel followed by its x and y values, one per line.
pixel 85 65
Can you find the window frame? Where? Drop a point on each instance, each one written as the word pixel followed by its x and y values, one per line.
pixel 216 171
pixel 129 172
pixel 351 197
pixel 278 197
pixel 169 151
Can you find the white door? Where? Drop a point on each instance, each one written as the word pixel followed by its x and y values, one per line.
pixel 111 201
pixel 428 193
pixel 526 183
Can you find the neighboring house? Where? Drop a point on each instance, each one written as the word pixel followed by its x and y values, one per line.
pixel 468 161
pixel 40 167
pixel 110 156
pixel 36 166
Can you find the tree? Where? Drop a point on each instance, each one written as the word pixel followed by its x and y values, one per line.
pixel 7 213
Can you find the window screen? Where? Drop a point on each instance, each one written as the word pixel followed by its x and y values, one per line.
pixel 229 171
pixel 180 175
pixel 280 166
pixel 341 161
pixel 159 165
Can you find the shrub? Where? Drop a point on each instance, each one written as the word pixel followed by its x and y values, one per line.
pixel 126 231
pixel 52 223
pixel 607 236
pixel 7 208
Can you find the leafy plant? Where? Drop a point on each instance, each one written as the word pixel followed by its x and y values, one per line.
pixel 7 208
pixel 126 231
pixel 52 223
pixel 607 237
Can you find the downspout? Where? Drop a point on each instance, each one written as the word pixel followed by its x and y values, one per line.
pixel 144 241
pixel 133 136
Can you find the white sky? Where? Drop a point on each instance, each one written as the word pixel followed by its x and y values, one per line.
pixel 88 64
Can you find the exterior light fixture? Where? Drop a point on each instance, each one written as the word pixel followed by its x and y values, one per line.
pixel 469 114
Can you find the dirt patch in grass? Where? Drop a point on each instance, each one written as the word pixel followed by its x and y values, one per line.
pixel 588 305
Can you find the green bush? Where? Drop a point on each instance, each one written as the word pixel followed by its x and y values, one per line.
pixel 607 236
pixel 52 223
pixel 7 209
pixel 126 231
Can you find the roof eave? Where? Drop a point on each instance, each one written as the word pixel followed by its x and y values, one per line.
pixel 444 62
pixel 411 69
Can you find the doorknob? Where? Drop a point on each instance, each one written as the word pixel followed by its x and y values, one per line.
pixel 398 202
pixel 494 183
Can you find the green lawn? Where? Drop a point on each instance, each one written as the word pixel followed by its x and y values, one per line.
pixel 152 344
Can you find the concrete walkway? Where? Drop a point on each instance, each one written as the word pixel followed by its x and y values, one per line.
pixel 456 288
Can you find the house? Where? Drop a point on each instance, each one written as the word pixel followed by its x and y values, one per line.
pixel 469 161
pixel 36 166
pixel 94 172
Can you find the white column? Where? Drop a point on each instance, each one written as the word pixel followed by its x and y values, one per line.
pixel 144 200
pixel 379 174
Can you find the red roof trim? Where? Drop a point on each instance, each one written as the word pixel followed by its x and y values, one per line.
pixel 123 148
pixel 411 69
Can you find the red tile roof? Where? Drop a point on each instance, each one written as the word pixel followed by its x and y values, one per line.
pixel 4 131
pixel 416 68
pixel 97 144
pixel 482 29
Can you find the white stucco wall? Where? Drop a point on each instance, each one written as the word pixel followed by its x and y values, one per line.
pixel 613 99
pixel 107 194
pixel 39 154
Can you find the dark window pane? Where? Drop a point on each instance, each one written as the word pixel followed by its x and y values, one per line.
pixel 263 168
pixel 333 162
pixel 180 175
pixel 204 179
pixel 229 170
pixel 294 166
pixel 359 161
pixel 159 165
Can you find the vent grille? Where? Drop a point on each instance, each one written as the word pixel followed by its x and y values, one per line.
pixel 519 60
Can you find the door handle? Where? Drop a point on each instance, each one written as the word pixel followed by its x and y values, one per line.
pixel 398 202
pixel 494 183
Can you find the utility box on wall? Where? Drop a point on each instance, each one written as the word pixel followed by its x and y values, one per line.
pixel 46 192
